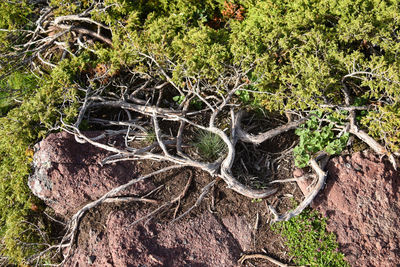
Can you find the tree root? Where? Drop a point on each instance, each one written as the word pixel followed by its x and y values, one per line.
pixel 144 113
pixel 264 257
pixel 310 197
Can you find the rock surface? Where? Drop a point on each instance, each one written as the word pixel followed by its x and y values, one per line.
pixel 200 242
pixel 68 175
pixel 362 201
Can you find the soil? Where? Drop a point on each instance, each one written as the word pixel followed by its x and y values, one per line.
pixel 221 201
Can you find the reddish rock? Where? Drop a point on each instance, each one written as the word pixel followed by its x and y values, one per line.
pixel 298 172
pixel 68 174
pixel 240 229
pixel 201 242
pixel 362 201
pixel 96 252
pixel 305 185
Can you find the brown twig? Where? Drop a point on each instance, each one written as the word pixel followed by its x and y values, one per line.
pixel 204 192
pixel 264 257
pixel 182 195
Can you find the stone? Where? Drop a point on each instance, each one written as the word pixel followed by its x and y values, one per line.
pixel 362 202
pixel 200 241
pixel 67 174
pixel 298 172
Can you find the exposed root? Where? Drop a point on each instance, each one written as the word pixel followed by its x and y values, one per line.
pixel 167 204
pixel 144 110
pixel 352 127
pixel 129 199
pixel 310 197
pixel 291 179
pixel 262 137
pixel 374 145
pixel 264 257
pixel 204 192
pixel 182 195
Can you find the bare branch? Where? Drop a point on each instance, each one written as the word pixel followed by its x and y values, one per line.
pixel 308 199
pixel 261 137
pixel 264 257
pixel 60 19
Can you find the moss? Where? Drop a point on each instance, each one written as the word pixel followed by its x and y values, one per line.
pixel 19 130
pixel 308 241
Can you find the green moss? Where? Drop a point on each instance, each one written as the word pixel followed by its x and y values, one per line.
pixel 308 241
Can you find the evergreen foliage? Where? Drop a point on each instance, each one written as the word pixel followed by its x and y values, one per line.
pixel 19 130
pixel 305 51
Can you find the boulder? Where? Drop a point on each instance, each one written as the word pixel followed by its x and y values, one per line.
pixel 202 241
pixel 68 174
pixel 362 202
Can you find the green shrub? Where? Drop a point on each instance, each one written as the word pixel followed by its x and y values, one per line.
pixel 302 50
pixel 23 126
pixel 308 241
pixel 297 52
pixel 15 86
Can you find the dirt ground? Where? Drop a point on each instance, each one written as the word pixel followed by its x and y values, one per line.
pixel 273 162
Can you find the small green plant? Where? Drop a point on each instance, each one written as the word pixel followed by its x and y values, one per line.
pixel 209 145
pixel 244 96
pixel 195 103
pixel 150 138
pixel 315 137
pixel 308 241
pixel 178 99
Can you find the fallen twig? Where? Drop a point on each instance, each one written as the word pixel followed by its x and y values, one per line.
pixel 264 257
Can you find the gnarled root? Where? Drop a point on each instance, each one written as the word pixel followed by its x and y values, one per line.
pixel 318 168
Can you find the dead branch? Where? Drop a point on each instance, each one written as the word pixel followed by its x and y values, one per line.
pixel 144 109
pixel 204 192
pixel 60 19
pixel 262 137
pixel 166 204
pixel 374 145
pixel 182 195
pixel 310 197
pixel 291 179
pixel 129 199
pixel 264 257
pixel 86 32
